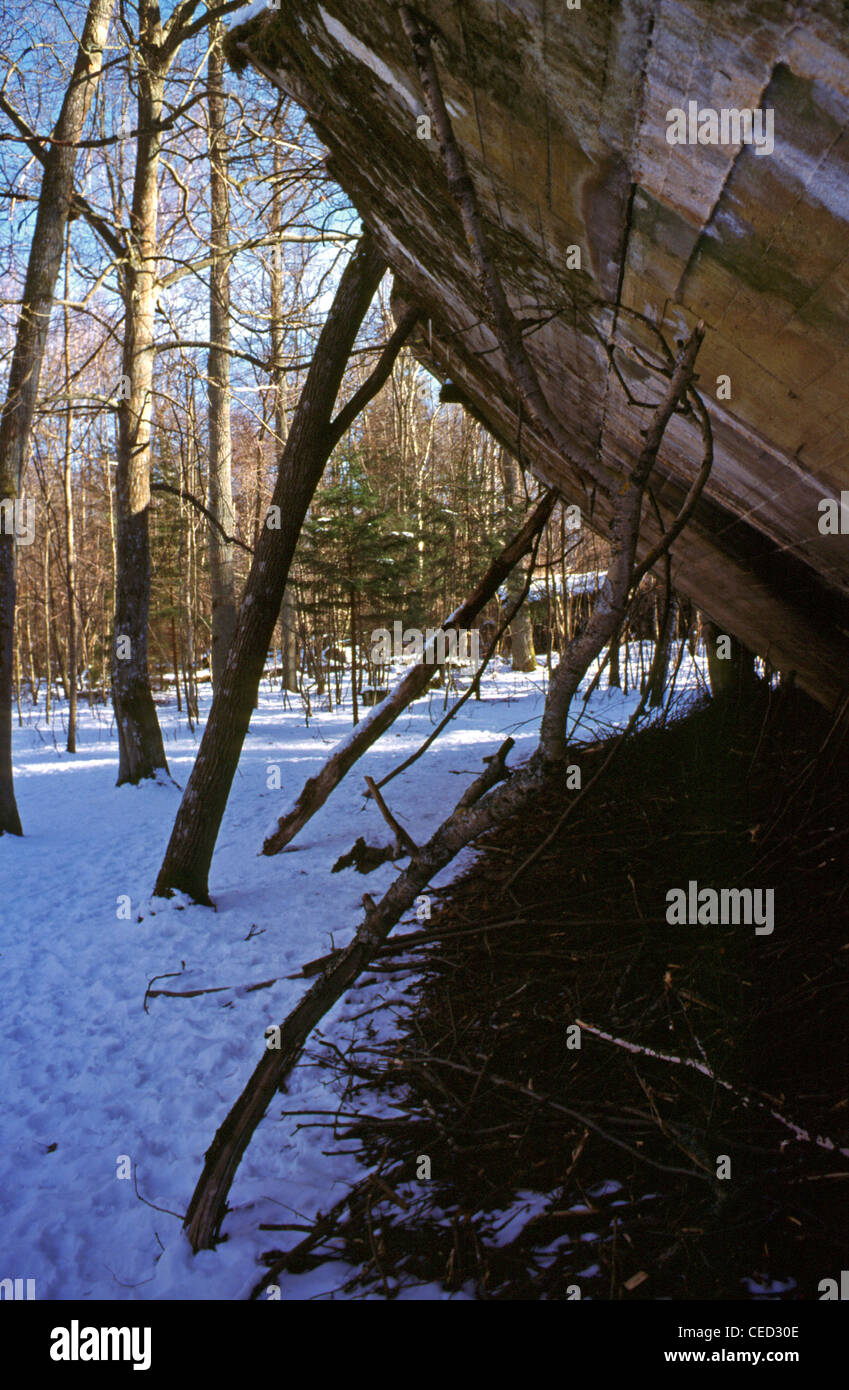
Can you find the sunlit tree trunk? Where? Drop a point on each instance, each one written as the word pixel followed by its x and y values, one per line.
pixel 288 615
pixel 221 560
pixel 310 442
pixel 139 736
pixel 45 259
pixel 70 549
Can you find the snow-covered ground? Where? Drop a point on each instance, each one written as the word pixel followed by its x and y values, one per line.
pixel 93 1085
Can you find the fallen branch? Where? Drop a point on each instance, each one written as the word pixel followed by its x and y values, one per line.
pixel 169 975
pixel 217 989
pixel 208 1205
pixel 747 1097
pixel 324 1225
pixel 495 772
pixel 411 941
pixel 551 1104
pixel 317 789
pixel 404 841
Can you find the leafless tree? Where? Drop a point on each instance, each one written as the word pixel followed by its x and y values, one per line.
pixel 45 259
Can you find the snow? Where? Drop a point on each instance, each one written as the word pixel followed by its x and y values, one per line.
pixel 248 12
pixel 92 1079
pixel 588 582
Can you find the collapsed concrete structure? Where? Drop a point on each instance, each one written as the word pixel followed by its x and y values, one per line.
pixel 607 224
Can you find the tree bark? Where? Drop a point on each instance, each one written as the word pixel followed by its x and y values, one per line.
pixel 139 737
pixel 310 442
pixel 45 259
pixel 208 1206
pixel 288 625
pixel 668 620
pixel 70 546
pixel 221 552
pixel 614 677
pixel 522 653
pixel 45 605
pixel 9 818
pixel 175 656
pixel 289 642
pixel 354 655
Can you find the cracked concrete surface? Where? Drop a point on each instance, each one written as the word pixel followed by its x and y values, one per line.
pixel 561 115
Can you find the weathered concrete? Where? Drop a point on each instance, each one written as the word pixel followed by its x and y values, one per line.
pixel 562 116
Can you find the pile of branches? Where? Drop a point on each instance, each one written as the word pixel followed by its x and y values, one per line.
pixel 559 1171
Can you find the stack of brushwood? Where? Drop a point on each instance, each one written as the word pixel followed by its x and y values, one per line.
pixel 695 1144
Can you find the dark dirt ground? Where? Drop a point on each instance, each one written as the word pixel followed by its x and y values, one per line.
pixel 622 1148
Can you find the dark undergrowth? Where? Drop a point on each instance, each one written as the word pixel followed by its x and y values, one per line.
pixel 560 1171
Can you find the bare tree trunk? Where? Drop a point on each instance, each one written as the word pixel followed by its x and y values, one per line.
pixel 310 442
pixel 523 656
pixel 187 608
pixel 354 656
pixel 18 677
pixel 45 260
pixel 175 656
pixel 71 558
pixel 140 739
pixel 46 603
pixel 289 641
pixel 9 818
pixel 221 567
pixel 669 622
pixel 288 624
pixel 61 663
pixel 33 683
pixel 614 677
pixel 608 615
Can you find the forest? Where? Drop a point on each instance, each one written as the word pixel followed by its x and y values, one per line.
pixel 510 1026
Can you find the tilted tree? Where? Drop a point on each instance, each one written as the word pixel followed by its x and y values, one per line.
pixel 312 437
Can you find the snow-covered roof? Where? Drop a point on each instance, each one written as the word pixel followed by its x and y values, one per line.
pixel 589 582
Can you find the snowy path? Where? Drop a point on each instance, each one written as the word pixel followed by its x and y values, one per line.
pixel 89 1076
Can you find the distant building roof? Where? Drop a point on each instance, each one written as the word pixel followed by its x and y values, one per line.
pixel 587 583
